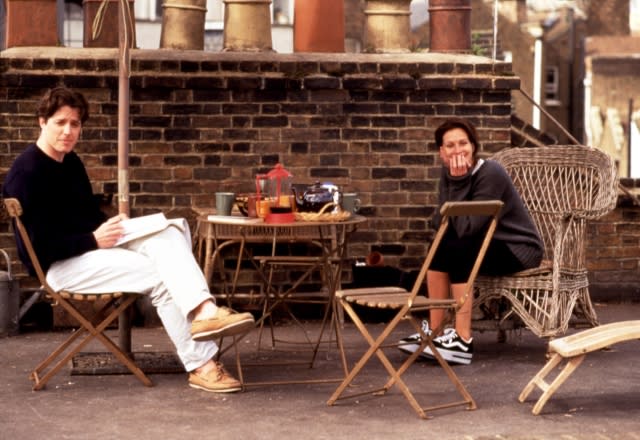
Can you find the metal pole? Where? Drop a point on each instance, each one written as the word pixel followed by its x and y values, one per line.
pixel 629 144
pixel 124 320
pixel 495 30
pixel 123 108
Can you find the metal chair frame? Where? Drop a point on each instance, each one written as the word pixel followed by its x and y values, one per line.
pixel 407 304
pixel 91 327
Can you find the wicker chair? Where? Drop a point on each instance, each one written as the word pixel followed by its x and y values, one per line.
pixel 563 186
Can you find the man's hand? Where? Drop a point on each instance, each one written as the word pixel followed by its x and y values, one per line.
pixel 109 232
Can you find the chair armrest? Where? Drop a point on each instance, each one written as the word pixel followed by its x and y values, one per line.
pixel 568 248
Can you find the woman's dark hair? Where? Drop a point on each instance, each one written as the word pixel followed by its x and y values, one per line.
pixel 59 97
pixel 463 124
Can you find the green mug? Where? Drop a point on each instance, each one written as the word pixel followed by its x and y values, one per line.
pixel 350 202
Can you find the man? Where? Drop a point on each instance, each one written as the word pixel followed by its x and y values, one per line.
pixel 76 244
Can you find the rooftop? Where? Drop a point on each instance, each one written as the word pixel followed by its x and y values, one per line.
pixel 598 401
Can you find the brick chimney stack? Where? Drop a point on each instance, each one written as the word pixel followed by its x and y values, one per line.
pixel 450 26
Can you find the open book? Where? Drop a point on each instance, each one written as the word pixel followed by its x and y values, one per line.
pixel 148 224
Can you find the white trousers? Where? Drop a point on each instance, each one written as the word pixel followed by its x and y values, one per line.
pixel 161 265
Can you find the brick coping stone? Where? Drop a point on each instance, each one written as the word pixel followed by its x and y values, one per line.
pixel 414 63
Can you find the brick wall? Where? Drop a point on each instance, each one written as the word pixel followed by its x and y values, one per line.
pixel 201 122
pixel 614 250
pixel 609 17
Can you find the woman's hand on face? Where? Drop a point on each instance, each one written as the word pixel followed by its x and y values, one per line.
pixel 109 232
pixel 459 165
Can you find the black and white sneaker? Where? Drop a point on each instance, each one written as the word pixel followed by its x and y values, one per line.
pixel 412 342
pixel 452 347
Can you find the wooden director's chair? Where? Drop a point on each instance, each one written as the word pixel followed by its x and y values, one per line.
pixel 407 303
pixel 91 327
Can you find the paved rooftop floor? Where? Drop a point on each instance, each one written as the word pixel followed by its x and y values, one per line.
pixel 600 401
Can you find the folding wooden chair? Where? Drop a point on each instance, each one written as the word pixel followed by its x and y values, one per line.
pixel 572 350
pixel 407 303
pixel 91 327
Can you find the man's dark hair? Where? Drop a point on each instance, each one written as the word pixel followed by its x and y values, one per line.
pixel 59 97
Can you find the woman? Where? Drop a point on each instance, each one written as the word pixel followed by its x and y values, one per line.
pixel 516 244
pixel 77 245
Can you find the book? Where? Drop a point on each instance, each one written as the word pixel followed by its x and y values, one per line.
pixel 140 226
pixel 233 219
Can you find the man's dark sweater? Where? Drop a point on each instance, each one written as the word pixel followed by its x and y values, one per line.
pixel 515 226
pixel 60 211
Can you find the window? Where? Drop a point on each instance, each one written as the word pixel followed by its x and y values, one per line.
pixel 73 10
pixel 282 12
pixel 551 82
pixel 215 11
pixel 72 25
pixel 147 10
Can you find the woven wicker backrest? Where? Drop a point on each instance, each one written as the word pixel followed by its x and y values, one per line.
pixel 570 182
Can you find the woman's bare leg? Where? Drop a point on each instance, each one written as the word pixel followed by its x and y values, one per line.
pixel 463 317
pixel 438 287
